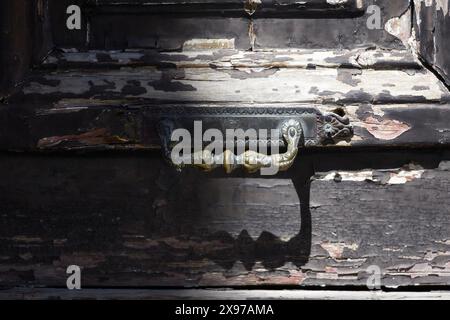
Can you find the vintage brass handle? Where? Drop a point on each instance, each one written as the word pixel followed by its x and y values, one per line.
pixel 250 160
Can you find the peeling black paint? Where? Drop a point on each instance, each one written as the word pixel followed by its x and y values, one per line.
pixel 348 76
pixel 133 88
pixel 168 82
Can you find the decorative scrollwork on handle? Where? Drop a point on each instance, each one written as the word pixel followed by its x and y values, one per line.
pixel 334 128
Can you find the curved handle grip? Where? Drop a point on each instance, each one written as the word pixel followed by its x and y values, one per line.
pixel 250 160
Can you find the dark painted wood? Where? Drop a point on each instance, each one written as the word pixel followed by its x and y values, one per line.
pixel 233 8
pixel 134 127
pixel 130 221
pixel 120 26
pixel 15 42
pixel 432 22
pixel 24 40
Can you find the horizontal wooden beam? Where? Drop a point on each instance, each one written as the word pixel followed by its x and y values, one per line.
pixel 88 125
pixel 131 221
pixel 103 100
pixel 221 54
pixel 232 8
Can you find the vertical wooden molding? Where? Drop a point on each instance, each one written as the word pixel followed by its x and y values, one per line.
pixel 15 42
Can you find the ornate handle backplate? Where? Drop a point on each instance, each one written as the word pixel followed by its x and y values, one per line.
pixel 308 129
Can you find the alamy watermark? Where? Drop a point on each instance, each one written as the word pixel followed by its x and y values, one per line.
pixel 374 279
pixel 74 280
pixel 73 21
pixel 249 145
pixel 374 20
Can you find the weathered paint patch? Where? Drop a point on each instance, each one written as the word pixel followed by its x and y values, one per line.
pixel 358 176
pixel 336 250
pixel 336 2
pixel 385 129
pixel 208 44
pixel 444 166
pixel 349 76
pixel 400 27
pixel 288 278
pixel 406 174
pixel 90 138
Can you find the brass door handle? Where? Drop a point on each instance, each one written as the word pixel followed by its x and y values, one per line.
pixel 250 160
pixel 253 161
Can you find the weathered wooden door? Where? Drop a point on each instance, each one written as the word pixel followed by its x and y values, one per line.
pixel 93 90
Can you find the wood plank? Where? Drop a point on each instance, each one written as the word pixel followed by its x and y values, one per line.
pixel 122 125
pixel 364 58
pixel 130 221
pixel 242 85
pixel 311 8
